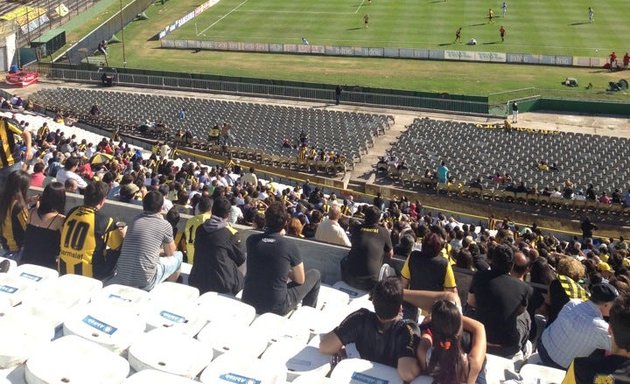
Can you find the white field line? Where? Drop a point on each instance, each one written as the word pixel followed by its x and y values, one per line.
pixel 222 17
pixel 359 7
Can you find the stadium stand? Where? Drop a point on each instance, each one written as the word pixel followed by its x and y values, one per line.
pixel 255 126
pixel 475 151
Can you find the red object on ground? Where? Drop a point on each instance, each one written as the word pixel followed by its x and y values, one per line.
pixel 22 78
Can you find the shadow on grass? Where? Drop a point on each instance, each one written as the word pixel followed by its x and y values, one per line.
pixel 491 43
pixel 438 1
pixel 476 25
pixel 579 23
pixel 354 29
pixel 443 44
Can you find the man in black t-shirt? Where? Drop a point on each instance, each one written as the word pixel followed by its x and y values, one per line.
pixel 371 246
pixel 380 336
pixel 501 302
pixel 272 259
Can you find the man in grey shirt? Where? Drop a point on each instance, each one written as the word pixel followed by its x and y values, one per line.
pixel 148 254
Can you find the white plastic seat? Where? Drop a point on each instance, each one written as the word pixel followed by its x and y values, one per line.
pixel 331 298
pixel 364 371
pixel 36 273
pixel 219 308
pixel 151 376
pixel 299 359
pixel 235 368
pixel 13 375
pixel 533 372
pixel 184 317
pixel 277 328
pixel 110 326
pixel 169 351
pixel 13 288
pixel 122 296
pixel 64 292
pixel 12 264
pixel 315 321
pixel 224 337
pixel 311 379
pixel 422 380
pixel 71 359
pixel 169 291
pixel 22 335
pixel 352 292
pixel 496 367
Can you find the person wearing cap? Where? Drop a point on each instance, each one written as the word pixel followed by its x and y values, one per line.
pixel 614 367
pixel 579 329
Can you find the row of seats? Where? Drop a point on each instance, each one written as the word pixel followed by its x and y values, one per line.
pixel 118 334
pixel 259 126
pixel 470 152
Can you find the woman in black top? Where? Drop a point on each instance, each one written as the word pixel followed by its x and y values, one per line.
pixel 43 230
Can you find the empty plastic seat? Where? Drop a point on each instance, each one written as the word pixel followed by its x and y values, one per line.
pixel 277 328
pixel 235 368
pixel 110 326
pixel 173 291
pixel 299 359
pixel 496 366
pixel 311 379
pixel 71 359
pixel 12 264
pixel 352 292
pixel 121 296
pixel 13 288
pixel 223 337
pixel 548 375
pixel 315 321
pixel 13 375
pixel 364 371
pixel 169 351
pixel 150 376
pixel 64 292
pixel 21 335
pixel 219 308
pixel 184 317
pixel 331 298
pixel 36 273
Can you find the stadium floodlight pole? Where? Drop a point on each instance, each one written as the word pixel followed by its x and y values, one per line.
pixel 122 35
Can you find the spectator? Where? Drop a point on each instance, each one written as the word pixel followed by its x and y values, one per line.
pixel 69 172
pixel 427 270
pixel 500 303
pixel 71 186
pixel 329 231
pixel 271 258
pixel 616 365
pixel 148 255
pixel 235 212
pixel 579 330
pixel 442 173
pixel 294 228
pixel 14 213
pixel 218 253
pixel 192 225
pixel 565 287
pixel 95 254
pixel 43 230
pixel 380 336
pixel 37 178
pixel 10 128
pixel 250 178
pixel 310 230
pixel 371 246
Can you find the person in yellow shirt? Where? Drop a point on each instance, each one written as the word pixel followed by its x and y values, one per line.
pixel 204 207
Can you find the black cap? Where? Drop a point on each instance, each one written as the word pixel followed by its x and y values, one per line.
pixel 603 293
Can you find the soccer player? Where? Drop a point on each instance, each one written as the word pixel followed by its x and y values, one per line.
pixel 365 20
pixel 504 8
pixel 502 33
pixel 490 15
pixel 458 35
pixel 591 14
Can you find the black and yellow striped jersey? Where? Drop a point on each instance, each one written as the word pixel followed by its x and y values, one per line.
pixel 86 236
pixel 13 228
pixel 8 146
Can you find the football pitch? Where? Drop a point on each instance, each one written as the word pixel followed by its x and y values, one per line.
pixel 536 27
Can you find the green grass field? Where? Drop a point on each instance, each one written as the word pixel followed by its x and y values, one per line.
pixel 536 26
pixel 143 51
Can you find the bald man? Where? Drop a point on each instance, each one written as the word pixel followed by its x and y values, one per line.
pixel 329 231
pixel 521 266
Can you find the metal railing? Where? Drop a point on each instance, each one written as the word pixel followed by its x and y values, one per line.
pixel 271 90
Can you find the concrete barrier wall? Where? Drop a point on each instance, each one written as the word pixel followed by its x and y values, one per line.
pixel 324 257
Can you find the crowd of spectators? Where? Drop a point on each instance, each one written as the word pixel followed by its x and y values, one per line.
pixel 489 305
